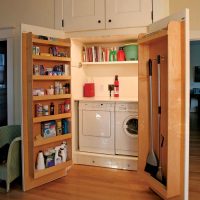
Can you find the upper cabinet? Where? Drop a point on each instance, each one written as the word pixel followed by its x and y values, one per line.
pixel 78 15
pixel 128 13
pixel 81 15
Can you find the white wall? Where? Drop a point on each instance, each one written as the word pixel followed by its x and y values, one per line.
pixel 193 5
pixel 34 12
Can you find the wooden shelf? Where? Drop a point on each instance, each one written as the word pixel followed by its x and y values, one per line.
pixel 51 58
pixel 51 97
pixel 50 42
pixel 50 170
pixel 110 63
pixel 43 141
pixel 51 117
pixel 147 39
pixel 46 77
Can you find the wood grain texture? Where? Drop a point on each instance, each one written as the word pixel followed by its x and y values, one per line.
pixel 94 183
pixel 169 47
pixel 30 129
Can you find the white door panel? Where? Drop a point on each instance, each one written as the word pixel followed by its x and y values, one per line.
pixel 128 13
pixel 83 15
pixel 96 123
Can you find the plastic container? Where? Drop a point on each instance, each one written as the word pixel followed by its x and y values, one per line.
pixel 131 52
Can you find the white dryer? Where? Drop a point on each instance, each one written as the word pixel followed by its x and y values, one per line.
pixel 126 129
pixel 96 127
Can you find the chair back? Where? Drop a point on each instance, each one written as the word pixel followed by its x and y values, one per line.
pixel 9 133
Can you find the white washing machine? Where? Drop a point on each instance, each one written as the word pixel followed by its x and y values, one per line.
pixel 96 127
pixel 126 129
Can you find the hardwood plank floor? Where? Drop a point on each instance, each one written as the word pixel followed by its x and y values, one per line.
pixel 194 182
pixel 94 183
pixel 89 183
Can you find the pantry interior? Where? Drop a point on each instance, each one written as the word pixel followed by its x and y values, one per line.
pixel 102 75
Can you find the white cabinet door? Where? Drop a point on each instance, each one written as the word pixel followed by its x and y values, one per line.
pixel 128 13
pixel 83 15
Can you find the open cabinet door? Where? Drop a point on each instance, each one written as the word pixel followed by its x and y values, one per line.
pixel 168 38
pixel 44 145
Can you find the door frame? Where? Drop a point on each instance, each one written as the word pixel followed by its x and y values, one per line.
pixel 7 34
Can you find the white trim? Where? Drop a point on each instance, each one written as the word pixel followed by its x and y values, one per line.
pixel 38 30
pixel 187 106
pixel 7 32
pixel 10 77
pixel 161 24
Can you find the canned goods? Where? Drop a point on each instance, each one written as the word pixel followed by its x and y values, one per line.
pixel 36 70
pixel 37 51
pixel 38 110
pixel 45 110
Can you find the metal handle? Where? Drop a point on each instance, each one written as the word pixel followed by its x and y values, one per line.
pixel 109 20
pixel 99 21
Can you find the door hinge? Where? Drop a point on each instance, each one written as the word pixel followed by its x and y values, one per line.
pixel 62 22
pixel 152 16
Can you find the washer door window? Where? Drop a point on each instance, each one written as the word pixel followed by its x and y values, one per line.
pixel 131 126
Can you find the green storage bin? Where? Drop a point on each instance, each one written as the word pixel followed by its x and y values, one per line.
pixel 131 51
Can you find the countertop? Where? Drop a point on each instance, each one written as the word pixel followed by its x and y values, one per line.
pixel 110 99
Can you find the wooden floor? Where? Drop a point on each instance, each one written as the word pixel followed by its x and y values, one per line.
pixel 93 183
pixel 194 187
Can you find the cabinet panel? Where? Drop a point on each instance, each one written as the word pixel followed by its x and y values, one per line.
pixel 83 15
pixel 169 152
pixel 46 117
pixel 128 13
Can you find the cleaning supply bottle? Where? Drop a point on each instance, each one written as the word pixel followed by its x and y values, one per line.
pixel 40 161
pixel 120 54
pixel 64 152
pixel 57 158
pixel 116 86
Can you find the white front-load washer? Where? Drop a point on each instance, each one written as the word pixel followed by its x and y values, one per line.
pixel 126 129
pixel 96 127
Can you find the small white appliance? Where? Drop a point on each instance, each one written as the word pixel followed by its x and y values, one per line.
pixel 126 129
pixel 96 127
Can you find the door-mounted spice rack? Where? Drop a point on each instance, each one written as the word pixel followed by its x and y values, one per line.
pixel 47 81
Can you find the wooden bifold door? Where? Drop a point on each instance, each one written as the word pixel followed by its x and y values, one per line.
pixel 167 43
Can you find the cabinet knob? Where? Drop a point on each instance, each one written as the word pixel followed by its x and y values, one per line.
pixel 99 21
pixel 109 20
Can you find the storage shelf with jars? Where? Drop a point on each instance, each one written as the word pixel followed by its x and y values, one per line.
pixel 48 80
pixel 51 158
pixel 42 141
pixel 102 54
pixel 50 170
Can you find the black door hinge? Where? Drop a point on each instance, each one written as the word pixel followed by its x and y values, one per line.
pixel 152 16
pixel 62 22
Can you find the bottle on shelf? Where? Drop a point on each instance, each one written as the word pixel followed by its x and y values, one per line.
pixel 67 106
pixel 64 126
pixel 40 161
pixel 52 108
pixel 121 54
pixel 64 146
pixel 116 86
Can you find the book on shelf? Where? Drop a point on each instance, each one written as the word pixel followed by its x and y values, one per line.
pixel 96 54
